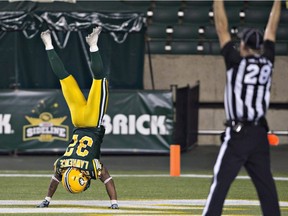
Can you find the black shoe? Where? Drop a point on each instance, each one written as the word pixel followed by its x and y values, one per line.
pixel 44 204
pixel 114 206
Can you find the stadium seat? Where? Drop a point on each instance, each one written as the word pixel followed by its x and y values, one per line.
pixel 157 31
pixel 256 16
pixel 282 33
pixel 261 27
pixel 157 47
pixel 210 32
pixel 185 32
pixel 233 15
pixel 209 3
pixel 235 4
pixel 198 3
pixel 215 48
pixel 161 3
pixel 196 15
pixel 258 4
pixel 187 48
pixel 166 15
pixel 284 16
pixel 281 48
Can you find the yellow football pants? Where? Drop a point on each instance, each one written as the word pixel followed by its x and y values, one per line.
pixel 90 112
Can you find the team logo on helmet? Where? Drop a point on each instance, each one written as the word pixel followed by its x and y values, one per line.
pixel 74 181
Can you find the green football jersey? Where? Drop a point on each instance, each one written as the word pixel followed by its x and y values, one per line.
pixel 83 152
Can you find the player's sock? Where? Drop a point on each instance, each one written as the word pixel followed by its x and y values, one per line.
pixel 57 65
pixel 97 65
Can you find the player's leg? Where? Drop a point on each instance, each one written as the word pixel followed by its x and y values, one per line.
pixel 75 100
pixel 258 167
pixel 225 170
pixel 71 91
pixel 98 95
pixel 96 60
pixel 55 62
pixel 97 102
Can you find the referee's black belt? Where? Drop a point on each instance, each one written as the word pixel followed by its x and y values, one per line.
pixel 238 124
pixel 232 123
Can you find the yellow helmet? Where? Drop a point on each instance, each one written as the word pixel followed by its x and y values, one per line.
pixel 74 181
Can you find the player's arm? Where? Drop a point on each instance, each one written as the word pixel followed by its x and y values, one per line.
pixel 221 22
pixel 110 187
pixel 271 28
pixel 55 180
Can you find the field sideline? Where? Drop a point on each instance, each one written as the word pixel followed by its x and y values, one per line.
pixel 139 193
pixel 138 175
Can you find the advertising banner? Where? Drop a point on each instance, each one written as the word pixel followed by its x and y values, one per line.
pixel 33 120
pixel 136 121
pixel 139 121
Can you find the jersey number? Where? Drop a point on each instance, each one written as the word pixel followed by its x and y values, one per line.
pixel 256 73
pixel 81 148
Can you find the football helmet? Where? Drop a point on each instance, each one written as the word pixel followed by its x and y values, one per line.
pixel 74 181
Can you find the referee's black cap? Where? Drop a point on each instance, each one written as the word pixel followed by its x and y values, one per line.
pixel 252 37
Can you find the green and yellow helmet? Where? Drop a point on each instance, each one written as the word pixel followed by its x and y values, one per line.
pixel 74 181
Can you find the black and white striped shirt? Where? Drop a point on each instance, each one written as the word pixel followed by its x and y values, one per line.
pixel 248 83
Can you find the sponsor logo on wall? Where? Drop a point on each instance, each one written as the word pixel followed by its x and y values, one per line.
pixel 5 125
pixel 145 124
pixel 46 128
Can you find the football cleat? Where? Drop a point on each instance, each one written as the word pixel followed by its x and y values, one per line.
pixel 44 204
pixel 114 206
pixel 74 181
pixel 46 38
pixel 92 38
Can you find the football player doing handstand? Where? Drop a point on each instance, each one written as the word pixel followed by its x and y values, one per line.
pixel 80 163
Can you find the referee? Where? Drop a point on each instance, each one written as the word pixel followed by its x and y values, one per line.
pixel 247 96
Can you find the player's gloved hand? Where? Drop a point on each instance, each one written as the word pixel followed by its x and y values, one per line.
pixel 114 206
pixel 45 203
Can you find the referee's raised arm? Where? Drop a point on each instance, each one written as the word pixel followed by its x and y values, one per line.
pixel 221 22
pixel 271 28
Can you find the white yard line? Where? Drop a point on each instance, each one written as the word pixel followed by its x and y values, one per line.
pixel 157 203
pixel 138 176
pixel 78 210
pixel 129 207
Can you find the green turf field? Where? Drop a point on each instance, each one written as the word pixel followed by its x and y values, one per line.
pixel 139 193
